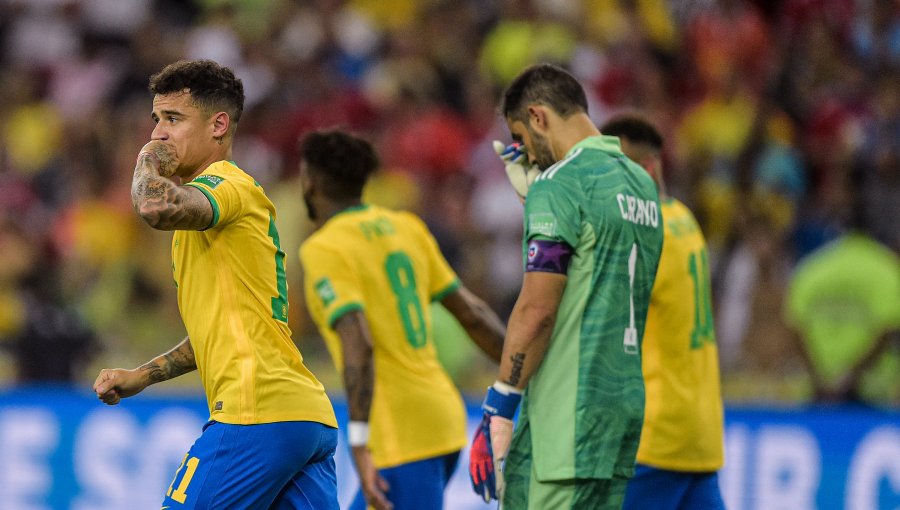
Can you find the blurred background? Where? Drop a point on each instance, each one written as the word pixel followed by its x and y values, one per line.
pixel 781 121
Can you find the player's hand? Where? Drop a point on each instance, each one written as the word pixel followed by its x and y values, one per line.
pixel 520 172
pixel 371 482
pixel 114 384
pixel 162 153
pixel 481 461
pixel 491 442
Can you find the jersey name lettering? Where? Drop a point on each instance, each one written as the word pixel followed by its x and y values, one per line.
pixel 638 211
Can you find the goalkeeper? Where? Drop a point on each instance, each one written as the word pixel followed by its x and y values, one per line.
pixel 370 275
pixel 592 239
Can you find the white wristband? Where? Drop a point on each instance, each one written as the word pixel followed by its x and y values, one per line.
pixel 506 389
pixel 358 433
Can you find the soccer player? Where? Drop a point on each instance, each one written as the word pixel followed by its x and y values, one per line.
pixel 592 241
pixel 370 274
pixel 681 446
pixel 272 432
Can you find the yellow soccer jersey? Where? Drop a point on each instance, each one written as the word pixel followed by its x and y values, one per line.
pixel 683 414
pixel 232 294
pixel 387 264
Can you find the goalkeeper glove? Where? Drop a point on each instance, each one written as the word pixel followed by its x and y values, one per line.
pixel 520 172
pixel 491 442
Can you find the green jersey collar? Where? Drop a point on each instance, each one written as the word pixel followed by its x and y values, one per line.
pixel 602 142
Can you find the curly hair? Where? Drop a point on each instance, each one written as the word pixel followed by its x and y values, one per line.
pixel 345 161
pixel 212 87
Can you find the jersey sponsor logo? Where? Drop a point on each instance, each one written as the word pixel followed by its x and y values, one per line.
pixel 638 211
pixel 542 223
pixel 210 180
pixel 219 405
pixel 325 291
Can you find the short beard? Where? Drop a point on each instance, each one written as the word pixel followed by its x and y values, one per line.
pixel 543 156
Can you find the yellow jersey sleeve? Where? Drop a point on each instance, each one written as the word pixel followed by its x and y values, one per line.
pixel 224 196
pixel 442 279
pixel 332 285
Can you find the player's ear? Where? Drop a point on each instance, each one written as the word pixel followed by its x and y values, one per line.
pixel 221 122
pixel 537 117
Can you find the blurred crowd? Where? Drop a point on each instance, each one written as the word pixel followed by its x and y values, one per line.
pixel 781 121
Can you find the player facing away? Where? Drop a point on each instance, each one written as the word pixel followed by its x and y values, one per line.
pixel 592 242
pixel 681 446
pixel 272 432
pixel 370 274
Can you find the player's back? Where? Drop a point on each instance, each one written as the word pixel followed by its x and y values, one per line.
pixel 388 265
pixel 232 293
pixel 683 415
pixel 606 208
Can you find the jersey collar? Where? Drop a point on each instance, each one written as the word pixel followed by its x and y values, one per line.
pixel 602 142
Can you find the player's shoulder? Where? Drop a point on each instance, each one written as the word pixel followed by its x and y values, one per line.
pixel 222 172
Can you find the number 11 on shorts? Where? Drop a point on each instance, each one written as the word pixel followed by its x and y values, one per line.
pixel 180 494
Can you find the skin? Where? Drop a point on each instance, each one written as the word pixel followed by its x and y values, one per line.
pixel 185 141
pixel 480 322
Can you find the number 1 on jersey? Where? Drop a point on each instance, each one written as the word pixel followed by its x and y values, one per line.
pixel 631 339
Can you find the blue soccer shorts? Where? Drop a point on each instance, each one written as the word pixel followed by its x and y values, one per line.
pixel 283 465
pixel 672 490
pixel 416 485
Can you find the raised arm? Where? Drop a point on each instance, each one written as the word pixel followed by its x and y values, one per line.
pixel 481 323
pixel 114 384
pixel 359 381
pixel 158 200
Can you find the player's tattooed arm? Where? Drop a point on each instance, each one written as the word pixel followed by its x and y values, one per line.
pixel 180 360
pixel 159 201
pixel 530 327
pixel 359 365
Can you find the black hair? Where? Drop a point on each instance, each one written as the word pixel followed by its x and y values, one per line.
pixel 213 88
pixel 343 160
pixel 635 128
pixel 544 84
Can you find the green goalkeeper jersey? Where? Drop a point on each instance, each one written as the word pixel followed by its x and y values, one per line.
pixel 583 408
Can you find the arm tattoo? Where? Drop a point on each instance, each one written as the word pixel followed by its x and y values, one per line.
pixel 178 361
pixel 360 383
pixel 518 361
pixel 165 206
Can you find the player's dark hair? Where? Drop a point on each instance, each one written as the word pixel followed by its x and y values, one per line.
pixel 544 84
pixel 213 88
pixel 635 128
pixel 343 160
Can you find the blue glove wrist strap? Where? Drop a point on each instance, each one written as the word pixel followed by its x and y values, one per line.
pixel 498 404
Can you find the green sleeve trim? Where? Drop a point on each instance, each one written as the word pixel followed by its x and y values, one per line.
pixel 341 311
pixel 450 288
pixel 212 202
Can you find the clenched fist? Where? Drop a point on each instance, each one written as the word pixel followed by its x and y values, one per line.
pixel 164 154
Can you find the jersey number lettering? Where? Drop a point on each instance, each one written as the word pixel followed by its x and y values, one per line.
pixel 631 337
pixel 180 494
pixel 703 317
pixel 403 282
pixel 280 302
